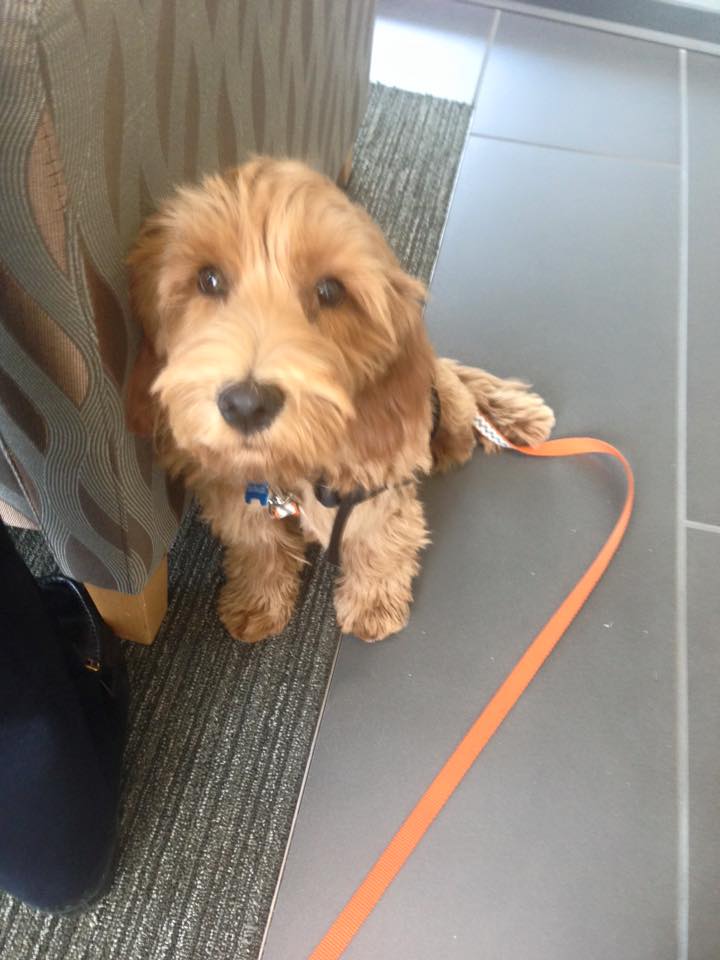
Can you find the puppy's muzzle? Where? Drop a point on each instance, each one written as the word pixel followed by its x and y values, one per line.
pixel 249 406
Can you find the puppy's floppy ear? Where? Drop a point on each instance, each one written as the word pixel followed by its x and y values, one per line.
pixel 144 265
pixel 408 297
pixel 393 411
pixel 145 262
pixel 140 405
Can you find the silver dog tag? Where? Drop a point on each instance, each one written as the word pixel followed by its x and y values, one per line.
pixel 282 505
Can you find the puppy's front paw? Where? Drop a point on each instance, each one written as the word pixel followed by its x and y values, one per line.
pixel 249 623
pixel 371 620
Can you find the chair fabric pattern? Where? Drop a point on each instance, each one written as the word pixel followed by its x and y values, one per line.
pixel 105 105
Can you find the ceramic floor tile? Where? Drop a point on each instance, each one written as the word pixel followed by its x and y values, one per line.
pixel 704 748
pixel 703 443
pixel 561 842
pixel 426 47
pixel 552 83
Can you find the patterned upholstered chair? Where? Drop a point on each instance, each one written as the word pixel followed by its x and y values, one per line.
pixel 104 105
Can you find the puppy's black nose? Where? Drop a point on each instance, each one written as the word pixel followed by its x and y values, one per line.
pixel 250 406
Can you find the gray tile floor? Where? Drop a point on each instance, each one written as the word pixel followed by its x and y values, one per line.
pixel 582 251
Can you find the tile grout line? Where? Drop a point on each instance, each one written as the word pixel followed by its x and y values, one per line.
pixel 699 525
pixel 584 153
pixel 486 57
pixel 613 28
pixel 682 722
pixel 481 75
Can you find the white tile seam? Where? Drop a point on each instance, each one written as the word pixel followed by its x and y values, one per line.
pixel 492 33
pixel 682 746
pixel 705 527
pixel 486 57
pixel 585 153
pixel 610 27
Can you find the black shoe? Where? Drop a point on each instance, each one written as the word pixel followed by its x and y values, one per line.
pixel 63 718
pixel 97 667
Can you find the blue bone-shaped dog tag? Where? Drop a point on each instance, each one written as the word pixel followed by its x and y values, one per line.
pixel 257 491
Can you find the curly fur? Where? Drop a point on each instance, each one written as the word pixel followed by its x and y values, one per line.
pixel 357 380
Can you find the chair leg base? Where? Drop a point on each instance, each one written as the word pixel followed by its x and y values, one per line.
pixel 135 616
pixel 345 170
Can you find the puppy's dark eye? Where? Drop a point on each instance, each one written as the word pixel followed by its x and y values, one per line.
pixel 211 282
pixel 330 292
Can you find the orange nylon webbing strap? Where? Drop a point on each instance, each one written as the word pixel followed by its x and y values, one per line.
pixel 391 861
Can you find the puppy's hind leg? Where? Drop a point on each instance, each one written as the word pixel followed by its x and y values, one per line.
pixel 262 573
pixel 510 405
pixel 454 440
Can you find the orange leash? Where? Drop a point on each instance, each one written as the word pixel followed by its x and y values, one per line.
pixel 391 861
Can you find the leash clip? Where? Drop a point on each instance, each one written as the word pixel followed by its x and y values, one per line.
pixel 487 430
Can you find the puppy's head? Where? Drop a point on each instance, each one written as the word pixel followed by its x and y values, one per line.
pixel 279 331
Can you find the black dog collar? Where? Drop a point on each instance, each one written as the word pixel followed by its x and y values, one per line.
pixel 282 505
pixel 345 502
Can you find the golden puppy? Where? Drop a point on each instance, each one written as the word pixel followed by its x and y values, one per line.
pixel 284 354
